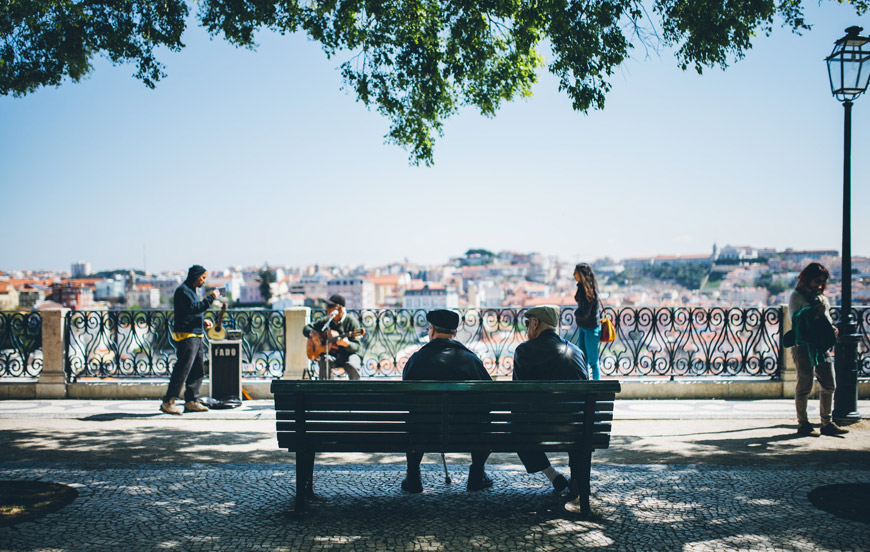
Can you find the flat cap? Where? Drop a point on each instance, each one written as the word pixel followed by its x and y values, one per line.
pixel 442 318
pixel 337 300
pixel 545 313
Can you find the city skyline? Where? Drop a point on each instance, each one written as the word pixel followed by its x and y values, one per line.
pixel 245 158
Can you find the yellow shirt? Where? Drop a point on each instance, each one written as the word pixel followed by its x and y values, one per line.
pixel 181 336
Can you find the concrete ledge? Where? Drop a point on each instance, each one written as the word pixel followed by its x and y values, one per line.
pixel 259 389
pixel 10 390
pixel 702 390
pixel 151 389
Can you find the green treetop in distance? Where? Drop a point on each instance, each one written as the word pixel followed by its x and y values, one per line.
pixel 415 61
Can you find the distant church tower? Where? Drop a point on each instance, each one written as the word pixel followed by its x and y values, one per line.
pixel 715 256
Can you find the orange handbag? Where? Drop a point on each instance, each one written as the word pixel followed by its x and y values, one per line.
pixel 608 331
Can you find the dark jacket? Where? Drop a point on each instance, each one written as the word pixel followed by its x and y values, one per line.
pixel 549 357
pixel 814 332
pixel 587 314
pixel 444 359
pixel 345 326
pixel 189 309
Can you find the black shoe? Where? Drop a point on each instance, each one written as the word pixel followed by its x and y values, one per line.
pixel 412 483
pixel 805 428
pixel 561 484
pixel 832 430
pixel 477 481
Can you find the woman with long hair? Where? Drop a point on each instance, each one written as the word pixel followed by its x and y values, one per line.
pixel 815 334
pixel 587 316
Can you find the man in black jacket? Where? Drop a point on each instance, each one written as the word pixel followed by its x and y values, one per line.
pixel 188 325
pixel 445 359
pixel 546 356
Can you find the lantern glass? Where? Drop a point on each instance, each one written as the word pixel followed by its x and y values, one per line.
pixel 849 65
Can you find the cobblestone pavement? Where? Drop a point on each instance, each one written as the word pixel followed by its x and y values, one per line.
pixel 680 475
pixel 244 507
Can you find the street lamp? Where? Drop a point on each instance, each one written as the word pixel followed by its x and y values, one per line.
pixel 849 71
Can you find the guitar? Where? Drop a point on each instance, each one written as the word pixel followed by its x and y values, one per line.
pixel 318 346
pixel 217 332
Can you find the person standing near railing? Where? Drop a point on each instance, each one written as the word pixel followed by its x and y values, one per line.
pixel 588 316
pixel 815 334
pixel 189 322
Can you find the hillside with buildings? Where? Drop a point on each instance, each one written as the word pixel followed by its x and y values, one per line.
pixel 730 276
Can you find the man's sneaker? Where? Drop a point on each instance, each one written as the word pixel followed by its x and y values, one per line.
pixel 832 429
pixel 170 408
pixel 412 483
pixel 805 428
pixel 560 484
pixel 195 406
pixel 477 481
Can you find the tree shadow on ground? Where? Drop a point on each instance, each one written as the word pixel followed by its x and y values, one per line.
pixel 748 446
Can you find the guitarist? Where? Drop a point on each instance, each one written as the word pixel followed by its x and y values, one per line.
pixel 187 373
pixel 346 355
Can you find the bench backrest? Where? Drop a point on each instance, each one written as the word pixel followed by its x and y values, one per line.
pixel 394 416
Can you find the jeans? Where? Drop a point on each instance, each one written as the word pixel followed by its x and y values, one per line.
pixel 587 340
pixel 824 372
pixel 187 372
pixel 351 364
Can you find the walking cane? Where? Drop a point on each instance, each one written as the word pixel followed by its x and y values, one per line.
pixel 446 473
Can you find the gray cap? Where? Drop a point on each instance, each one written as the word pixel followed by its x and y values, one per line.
pixel 545 313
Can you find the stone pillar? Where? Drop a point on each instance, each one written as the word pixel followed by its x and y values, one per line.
pixel 294 342
pixel 52 380
pixel 788 370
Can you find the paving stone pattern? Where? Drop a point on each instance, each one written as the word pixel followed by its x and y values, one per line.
pixel 236 507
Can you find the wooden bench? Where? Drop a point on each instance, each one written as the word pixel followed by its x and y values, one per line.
pixel 429 416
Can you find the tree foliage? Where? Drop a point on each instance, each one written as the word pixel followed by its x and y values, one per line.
pixel 688 275
pixel 267 277
pixel 415 61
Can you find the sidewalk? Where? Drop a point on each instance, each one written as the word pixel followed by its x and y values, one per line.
pixel 680 475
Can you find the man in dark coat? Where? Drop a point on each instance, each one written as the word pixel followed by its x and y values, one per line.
pixel 445 359
pixel 546 356
pixel 187 334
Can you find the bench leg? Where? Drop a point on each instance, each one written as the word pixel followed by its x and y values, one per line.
pixel 304 478
pixel 581 475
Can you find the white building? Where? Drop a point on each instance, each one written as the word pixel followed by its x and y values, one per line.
pixel 358 293
pixel 485 294
pixel 431 296
pixel 739 252
pixel 313 287
pixel 110 288
pixel 80 269
pixel 145 297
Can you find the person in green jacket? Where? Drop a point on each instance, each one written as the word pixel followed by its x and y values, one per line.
pixel 815 335
pixel 345 351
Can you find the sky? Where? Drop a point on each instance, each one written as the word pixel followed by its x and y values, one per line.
pixel 243 157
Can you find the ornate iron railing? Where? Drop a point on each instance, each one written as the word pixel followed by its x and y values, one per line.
pixel 650 341
pixel 137 343
pixel 862 322
pixel 695 342
pixel 20 344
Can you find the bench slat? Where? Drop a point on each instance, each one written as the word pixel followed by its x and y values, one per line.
pixel 378 442
pixel 542 405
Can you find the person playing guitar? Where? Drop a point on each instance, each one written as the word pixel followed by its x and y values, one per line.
pixel 337 334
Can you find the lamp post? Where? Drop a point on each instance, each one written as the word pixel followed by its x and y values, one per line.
pixel 849 71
